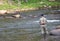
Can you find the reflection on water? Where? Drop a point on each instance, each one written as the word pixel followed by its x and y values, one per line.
pixel 25 29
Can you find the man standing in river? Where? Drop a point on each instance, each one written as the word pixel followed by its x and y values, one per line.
pixel 43 23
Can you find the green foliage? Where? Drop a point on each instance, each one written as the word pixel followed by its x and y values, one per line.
pixel 29 4
pixel 15 1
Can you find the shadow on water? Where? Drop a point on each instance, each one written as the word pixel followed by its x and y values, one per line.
pixel 27 29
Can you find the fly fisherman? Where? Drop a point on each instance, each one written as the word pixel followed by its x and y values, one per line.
pixel 43 24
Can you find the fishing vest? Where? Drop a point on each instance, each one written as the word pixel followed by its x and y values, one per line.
pixel 43 21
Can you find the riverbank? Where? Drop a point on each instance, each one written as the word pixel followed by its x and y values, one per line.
pixel 30 4
pixel 57 7
pixel 17 13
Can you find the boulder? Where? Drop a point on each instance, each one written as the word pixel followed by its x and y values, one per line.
pixel 58 27
pixel 55 32
pixel 3 12
pixel 17 16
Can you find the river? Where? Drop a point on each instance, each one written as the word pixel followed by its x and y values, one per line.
pixel 27 28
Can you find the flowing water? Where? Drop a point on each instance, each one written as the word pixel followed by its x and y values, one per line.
pixel 27 28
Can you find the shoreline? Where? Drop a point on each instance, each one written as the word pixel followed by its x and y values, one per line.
pixel 31 9
pixel 16 12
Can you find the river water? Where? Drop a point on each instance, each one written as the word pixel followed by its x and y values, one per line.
pixel 27 28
